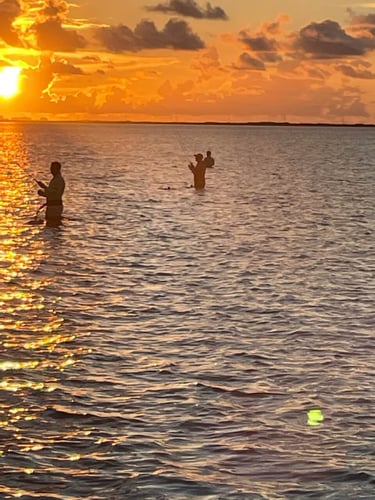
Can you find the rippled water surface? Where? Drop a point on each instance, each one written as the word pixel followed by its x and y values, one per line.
pixel 170 344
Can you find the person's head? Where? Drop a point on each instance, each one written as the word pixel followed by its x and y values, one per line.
pixel 198 156
pixel 55 167
pixel 208 153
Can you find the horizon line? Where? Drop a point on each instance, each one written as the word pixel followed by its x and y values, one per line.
pixel 206 122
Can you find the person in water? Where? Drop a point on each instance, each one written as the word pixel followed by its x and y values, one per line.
pixel 199 171
pixel 53 193
pixel 209 161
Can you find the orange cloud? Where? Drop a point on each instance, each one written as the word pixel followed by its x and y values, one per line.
pixel 208 64
pixel 74 69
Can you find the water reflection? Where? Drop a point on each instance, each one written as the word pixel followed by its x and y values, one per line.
pixel 35 345
pixel 207 356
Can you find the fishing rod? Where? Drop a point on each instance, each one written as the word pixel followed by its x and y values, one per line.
pixel 40 208
pixel 35 220
pixel 30 176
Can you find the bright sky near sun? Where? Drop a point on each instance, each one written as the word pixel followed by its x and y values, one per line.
pixel 188 60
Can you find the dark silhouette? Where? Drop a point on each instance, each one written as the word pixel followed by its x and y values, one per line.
pixel 53 192
pixel 209 161
pixel 199 171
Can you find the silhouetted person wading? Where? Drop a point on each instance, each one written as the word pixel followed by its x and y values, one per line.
pixel 209 161
pixel 53 193
pixel 199 171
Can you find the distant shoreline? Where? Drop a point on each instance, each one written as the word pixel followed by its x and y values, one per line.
pixel 149 122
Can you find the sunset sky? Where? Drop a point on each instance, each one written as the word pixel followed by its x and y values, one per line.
pixel 188 60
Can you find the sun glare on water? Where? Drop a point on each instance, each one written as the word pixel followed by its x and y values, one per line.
pixel 9 81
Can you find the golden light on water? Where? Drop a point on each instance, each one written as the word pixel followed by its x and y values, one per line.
pixel 17 385
pixel 9 81
pixel 35 344
pixel 17 365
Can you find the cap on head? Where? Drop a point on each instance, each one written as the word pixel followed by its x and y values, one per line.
pixel 55 167
pixel 199 156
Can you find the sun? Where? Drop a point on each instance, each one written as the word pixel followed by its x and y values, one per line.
pixel 9 81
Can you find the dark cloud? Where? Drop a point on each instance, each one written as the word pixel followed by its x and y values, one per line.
pixel 329 40
pixel 9 11
pixel 248 62
pixel 348 70
pixel 362 19
pixel 363 24
pixel 64 68
pixel 258 43
pixel 118 38
pixel 265 48
pixel 270 57
pixel 50 35
pixel 175 35
pixel 148 35
pixel 179 36
pixel 189 8
pixel 55 8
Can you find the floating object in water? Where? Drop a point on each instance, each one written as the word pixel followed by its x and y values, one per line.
pixel 315 417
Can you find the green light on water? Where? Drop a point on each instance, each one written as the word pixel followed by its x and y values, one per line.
pixel 315 417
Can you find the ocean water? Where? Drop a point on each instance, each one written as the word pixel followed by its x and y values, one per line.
pixel 168 344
